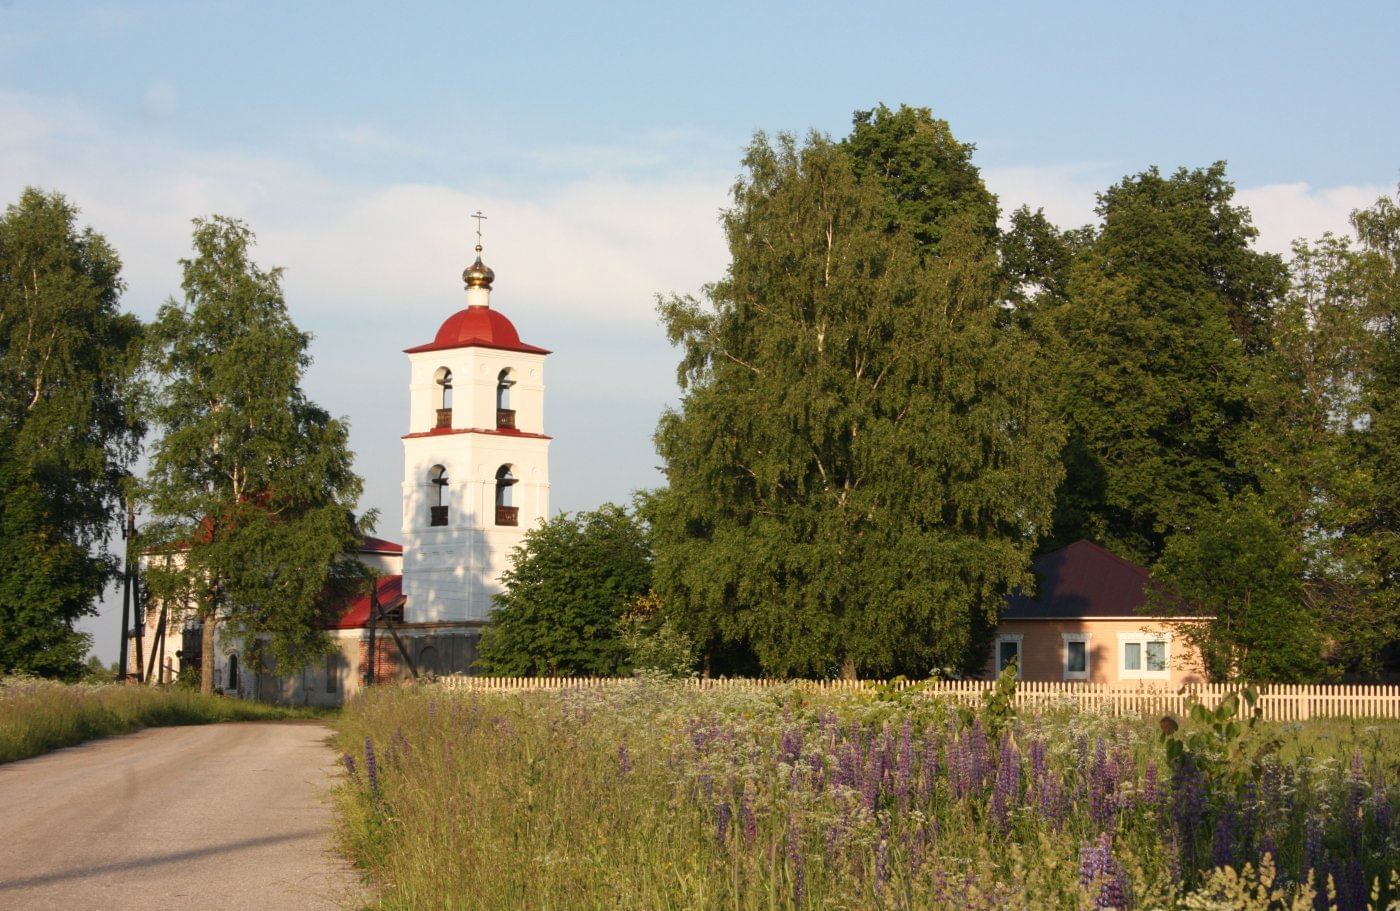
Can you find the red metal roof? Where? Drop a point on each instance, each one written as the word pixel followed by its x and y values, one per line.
pixel 372 545
pixel 1082 580
pixel 356 614
pixel 477 327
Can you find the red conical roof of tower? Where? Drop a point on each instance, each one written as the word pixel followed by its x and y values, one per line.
pixel 479 327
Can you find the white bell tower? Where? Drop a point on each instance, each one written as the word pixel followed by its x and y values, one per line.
pixel 476 459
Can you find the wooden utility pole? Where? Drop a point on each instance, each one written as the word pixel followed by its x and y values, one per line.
pixel 128 535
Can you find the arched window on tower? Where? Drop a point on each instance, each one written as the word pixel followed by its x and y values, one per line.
pixel 507 513
pixel 443 379
pixel 437 511
pixel 505 415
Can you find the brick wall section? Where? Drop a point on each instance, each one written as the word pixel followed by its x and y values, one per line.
pixel 1043 655
pixel 386 663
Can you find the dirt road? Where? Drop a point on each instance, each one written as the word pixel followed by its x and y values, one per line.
pixel 224 816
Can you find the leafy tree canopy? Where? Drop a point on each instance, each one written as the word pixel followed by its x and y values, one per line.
pixel 1167 303
pixel 251 483
pixel 1238 566
pixel 68 428
pixel 927 175
pixel 571 581
pixel 862 458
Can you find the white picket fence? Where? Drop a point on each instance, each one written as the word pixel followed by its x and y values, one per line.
pixel 1277 702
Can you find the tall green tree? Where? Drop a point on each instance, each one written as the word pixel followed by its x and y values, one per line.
pixel 68 428
pixel 862 458
pixel 570 584
pixel 1168 307
pixel 1240 569
pixel 1377 441
pixel 928 177
pixel 251 483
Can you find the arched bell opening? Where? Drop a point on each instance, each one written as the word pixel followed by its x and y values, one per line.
pixel 507 513
pixel 443 379
pixel 505 414
pixel 437 508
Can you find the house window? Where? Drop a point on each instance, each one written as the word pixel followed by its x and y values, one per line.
pixel 1076 655
pixel 437 510
pixel 1144 656
pixel 332 673
pixel 233 673
pixel 1009 652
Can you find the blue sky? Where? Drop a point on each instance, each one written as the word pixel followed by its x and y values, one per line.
pixel 601 141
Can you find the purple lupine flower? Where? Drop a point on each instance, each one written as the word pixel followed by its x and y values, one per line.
pixel 1351 887
pixel 917 843
pixel 722 816
pixel 1101 787
pixel 794 859
pixel 1037 761
pixel 1381 810
pixel 978 752
pixel 870 782
pixel 624 761
pixel 371 768
pixel 904 766
pixel 349 762
pixel 791 746
pixel 747 820
pixel 930 770
pixel 1007 791
pixel 1188 807
pixel 1151 790
pixel 1314 872
pixel 1222 844
pixel 1096 865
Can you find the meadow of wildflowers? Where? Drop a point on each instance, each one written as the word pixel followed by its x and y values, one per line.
pixel 657 796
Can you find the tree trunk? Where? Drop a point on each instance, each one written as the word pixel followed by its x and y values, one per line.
pixel 206 655
pixel 848 669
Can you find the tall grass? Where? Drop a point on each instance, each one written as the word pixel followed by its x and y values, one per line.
pixel 37 716
pixel 653 796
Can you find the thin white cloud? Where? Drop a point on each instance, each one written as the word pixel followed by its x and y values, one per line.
pixel 1286 212
pixel 1282 212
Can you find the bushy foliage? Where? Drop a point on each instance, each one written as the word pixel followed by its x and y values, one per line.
pixel 251 484
pixel 863 455
pixel 570 582
pixel 1239 570
pixel 69 428
pixel 660 795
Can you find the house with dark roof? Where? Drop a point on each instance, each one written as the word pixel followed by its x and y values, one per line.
pixel 1087 621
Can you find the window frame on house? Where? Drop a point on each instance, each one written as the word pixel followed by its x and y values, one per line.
pixel 1142 640
pixel 1080 638
pixel 1018 639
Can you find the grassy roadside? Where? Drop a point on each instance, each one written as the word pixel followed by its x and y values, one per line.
pixel 37 716
pixel 659 797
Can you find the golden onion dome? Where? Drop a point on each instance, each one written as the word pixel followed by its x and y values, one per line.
pixel 478 274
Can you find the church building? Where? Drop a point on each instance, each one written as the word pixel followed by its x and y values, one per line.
pixel 476 477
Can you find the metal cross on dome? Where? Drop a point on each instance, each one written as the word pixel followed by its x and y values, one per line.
pixel 479 218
